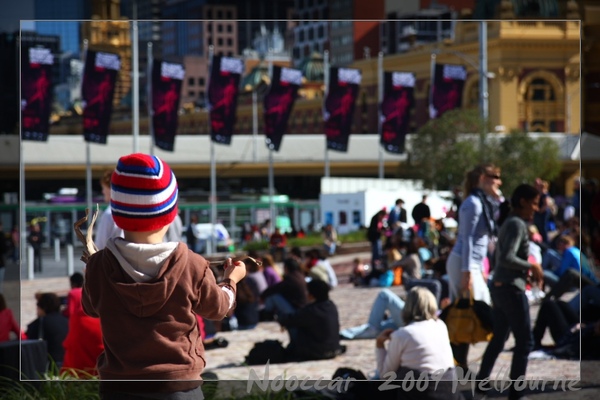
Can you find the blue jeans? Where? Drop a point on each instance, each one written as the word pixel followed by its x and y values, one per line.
pixel 511 313
pixel 386 300
pixel 376 252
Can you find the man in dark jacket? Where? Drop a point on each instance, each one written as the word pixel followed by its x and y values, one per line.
pixel 314 328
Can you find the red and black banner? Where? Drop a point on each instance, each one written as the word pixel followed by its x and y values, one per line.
pixel 339 106
pixel 447 87
pixel 166 95
pixel 278 103
pixel 97 91
pixel 225 75
pixel 36 92
pixel 398 100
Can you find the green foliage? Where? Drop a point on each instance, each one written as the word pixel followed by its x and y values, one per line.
pixel 522 159
pixel 311 240
pixel 441 153
pixel 261 245
pixel 445 148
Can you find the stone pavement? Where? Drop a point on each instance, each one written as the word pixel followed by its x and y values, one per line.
pixel 353 304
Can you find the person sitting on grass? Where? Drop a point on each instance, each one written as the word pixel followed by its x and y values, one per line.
pixel 147 292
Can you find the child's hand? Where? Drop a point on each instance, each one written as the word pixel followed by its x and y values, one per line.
pixel 235 271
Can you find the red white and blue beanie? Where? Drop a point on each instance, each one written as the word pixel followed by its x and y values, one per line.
pixel 143 193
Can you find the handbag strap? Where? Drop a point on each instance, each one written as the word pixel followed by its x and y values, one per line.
pixel 467 294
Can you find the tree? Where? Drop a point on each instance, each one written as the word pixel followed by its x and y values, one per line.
pixel 523 158
pixel 445 148
pixel 440 153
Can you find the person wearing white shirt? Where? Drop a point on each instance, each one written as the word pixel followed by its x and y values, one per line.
pixel 422 344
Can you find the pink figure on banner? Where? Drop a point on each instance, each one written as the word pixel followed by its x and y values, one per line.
pixel 102 94
pixel 169 103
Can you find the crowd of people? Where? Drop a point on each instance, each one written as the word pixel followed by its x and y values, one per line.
pixel 508 252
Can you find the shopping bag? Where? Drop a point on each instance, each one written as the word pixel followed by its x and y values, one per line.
pixel 468 321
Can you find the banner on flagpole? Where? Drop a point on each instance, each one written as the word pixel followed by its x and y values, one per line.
pixel 36 92
pixel 278 103
pixel 97 91
pixel 166 81
pixel 223 90
pixel 398 100
pixel 447 87
pixel 339 106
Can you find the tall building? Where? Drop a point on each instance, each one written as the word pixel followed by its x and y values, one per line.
pixel 212 24
pixel 312 32
pixel 66 16
pixel 253 15
pixel 351 39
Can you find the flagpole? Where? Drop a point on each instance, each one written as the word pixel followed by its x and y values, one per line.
pixel 213 165
pixel 326 81
pixel 88 151
pixel 432 72
pixel 271 172
pixel 22 204
pixel 254 122
pixel 149 97
pixel 380 101
pixel 135 83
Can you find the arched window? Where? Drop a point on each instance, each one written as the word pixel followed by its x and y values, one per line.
pixel 540 110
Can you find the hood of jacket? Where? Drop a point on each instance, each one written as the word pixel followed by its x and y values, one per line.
pixel 144 276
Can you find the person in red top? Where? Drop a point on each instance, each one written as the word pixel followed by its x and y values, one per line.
pixel 8 323
pixel 83 343
pixel 277 242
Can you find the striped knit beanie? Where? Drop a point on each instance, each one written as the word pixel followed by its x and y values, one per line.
pixel 143 193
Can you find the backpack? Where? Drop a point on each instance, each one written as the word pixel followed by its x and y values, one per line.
pixel 271 351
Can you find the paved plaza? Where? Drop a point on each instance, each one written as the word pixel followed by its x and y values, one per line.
pixel 353 304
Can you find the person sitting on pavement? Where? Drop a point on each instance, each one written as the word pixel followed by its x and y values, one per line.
pixel 314 328
pixel 386 300
pixel 277 243
pixel 574 269
pixel 322 268
pixel 421 346
pixel 50 326
pixel 83 343
pixel 288 295
pixel 8 323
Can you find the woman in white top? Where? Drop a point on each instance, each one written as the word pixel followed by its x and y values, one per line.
pixel 422 344
pixel 475 228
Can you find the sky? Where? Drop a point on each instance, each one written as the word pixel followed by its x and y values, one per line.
pixel 12 12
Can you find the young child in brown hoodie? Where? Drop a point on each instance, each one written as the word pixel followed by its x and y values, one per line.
pixel 147 292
